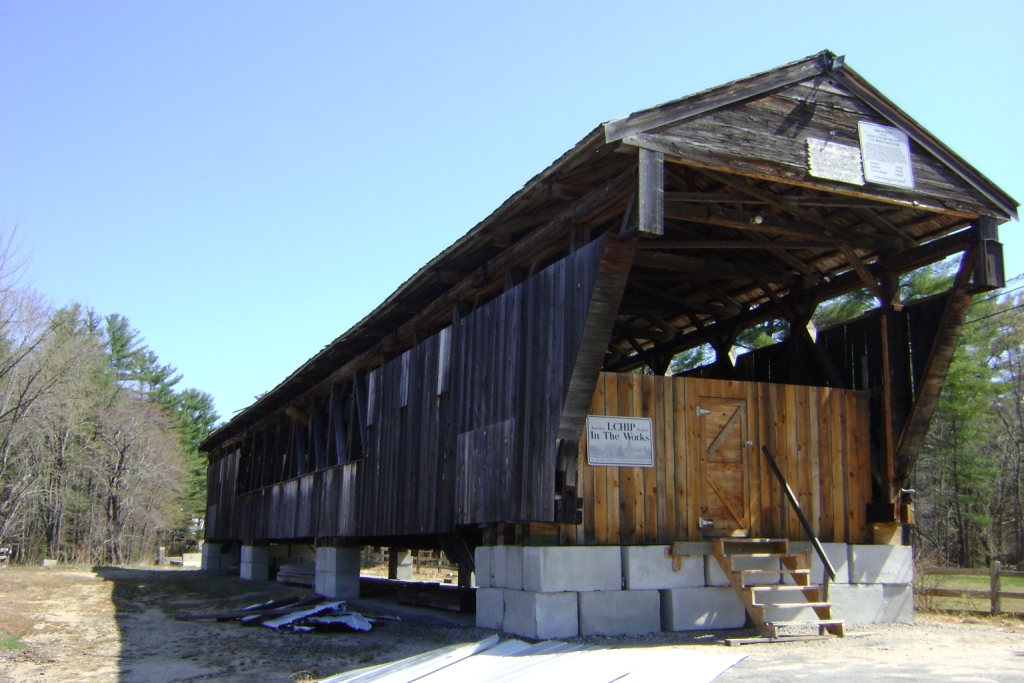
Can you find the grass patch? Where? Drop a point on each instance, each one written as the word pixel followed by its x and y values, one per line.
pixel 967 604
pixel 10 641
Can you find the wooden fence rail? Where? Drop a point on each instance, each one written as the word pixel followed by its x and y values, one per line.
pixel 994 594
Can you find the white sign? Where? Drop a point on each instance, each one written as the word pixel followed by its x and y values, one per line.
pixel 886 153
pixel 832 161
pixel 620 441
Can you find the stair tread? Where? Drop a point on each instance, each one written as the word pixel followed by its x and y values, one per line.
pixel 809 622
pixel 771 571
pixel 792 604
pixel 785 587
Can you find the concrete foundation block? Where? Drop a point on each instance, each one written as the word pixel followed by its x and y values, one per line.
pixel 255 554
pixel 211 557
pixel 191 560
pixel 399 564
pixel 572 568
pixel 837 553
pixel 714 576
pixel 899 603
pixel 881 564
pixel 499 565
pixel 699 609
pixel 619 613
pixel 337 572
pixel 858 604
pixel 514 567
pixel 490 607
pixel 541 616
pixel 336 586
pixel 482 560
pixel 647 567
pixel 254 571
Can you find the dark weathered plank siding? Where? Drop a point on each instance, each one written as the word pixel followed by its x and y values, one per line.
pixel 460 429
pixel 767 136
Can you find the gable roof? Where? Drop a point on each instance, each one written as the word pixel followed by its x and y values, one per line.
pixel 588 190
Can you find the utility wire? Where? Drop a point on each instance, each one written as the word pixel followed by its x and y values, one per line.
pixel 992 315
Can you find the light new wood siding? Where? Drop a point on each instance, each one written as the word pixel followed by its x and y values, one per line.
pixel 819 436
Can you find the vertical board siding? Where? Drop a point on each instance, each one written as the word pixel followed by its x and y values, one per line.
pixel 491 440
pixel 316 504
pixel 460 429
pixel 818 435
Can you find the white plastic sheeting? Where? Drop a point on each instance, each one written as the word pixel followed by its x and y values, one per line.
pixel 513 660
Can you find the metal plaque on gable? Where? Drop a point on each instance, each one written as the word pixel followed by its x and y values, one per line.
pixel 886 153
pixel 620 441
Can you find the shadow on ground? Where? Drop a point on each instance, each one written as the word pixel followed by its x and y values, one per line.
pixel 158 647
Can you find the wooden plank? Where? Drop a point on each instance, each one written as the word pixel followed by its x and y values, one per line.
pixel 652 192
pixel 695 455
pixel 839 469
pixel 948 330
pixel 753 460
pixel 857 405
pixel 588 475
pixel 766 402
pixel 612 473
pixel 650 474
pixel 664 491
pixel 680 110
pixel 600 532
pixel 680 460
pixel 826 524
pixel 626 475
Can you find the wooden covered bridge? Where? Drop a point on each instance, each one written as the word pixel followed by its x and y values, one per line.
pixel 455 414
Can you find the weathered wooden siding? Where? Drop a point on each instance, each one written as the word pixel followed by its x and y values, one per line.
pixel 460 429
pixel 818 435
pixel 471 438
pixel 766 136
pixel 321 504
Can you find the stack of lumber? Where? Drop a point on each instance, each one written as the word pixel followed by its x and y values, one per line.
pixel 299 574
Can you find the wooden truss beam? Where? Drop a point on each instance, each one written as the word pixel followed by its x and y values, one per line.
pixel 934 375
pixel 837 286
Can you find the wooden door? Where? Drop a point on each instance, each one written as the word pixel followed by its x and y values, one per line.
pixel 725 482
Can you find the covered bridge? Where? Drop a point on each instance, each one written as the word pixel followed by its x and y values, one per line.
pixel 515 396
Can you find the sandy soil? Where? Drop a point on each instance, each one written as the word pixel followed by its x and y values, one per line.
pixel 117 624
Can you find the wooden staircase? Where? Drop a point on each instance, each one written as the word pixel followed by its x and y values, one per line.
pixel 777 606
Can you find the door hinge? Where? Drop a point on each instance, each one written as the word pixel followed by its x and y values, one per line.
pixel 701 411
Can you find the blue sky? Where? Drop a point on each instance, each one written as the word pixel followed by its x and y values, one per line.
pixel 246 180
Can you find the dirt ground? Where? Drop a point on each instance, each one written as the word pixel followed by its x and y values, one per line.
pixel 117 624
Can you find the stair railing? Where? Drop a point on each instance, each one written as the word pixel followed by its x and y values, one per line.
pixel 830 572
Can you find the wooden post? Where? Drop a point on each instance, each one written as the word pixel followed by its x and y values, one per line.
pixel 995 585
pixel 465 577
pixel 652 192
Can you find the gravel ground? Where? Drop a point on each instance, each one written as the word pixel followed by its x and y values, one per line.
pixel 117 624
